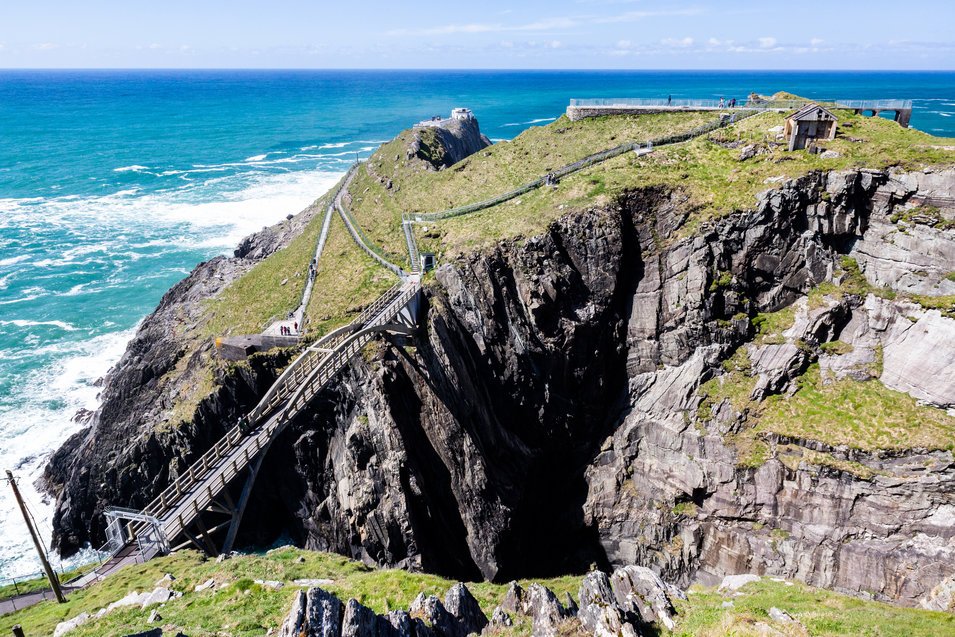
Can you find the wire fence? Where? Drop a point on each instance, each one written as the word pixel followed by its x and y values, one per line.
pixel 579 165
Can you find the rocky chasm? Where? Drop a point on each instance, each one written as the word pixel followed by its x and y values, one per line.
pixel 548 416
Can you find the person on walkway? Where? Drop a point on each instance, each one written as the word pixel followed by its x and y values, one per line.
pixel 722 102
pixel 296 328
pixel 669 100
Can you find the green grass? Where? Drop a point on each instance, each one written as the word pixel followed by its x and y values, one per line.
pixel 494 170
pixel 862 415
pixel 238 606
pixel 821 612
pixel 41 583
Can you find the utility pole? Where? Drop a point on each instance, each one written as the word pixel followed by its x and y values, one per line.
pixel 50 575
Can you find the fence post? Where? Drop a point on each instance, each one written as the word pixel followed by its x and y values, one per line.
pixel 17 631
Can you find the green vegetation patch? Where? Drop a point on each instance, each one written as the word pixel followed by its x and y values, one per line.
pixel 239 607
pixel 821 612
pixel 862 415
pixel 925 215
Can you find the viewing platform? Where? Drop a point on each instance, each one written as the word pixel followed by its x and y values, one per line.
pixel 582 108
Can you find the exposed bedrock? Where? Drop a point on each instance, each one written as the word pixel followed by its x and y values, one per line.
pixel 544 420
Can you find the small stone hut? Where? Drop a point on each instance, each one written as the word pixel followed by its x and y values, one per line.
pixel 810 123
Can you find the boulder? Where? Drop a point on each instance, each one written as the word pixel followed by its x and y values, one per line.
pixel 736 582
pixel 64 627
pixel 209 583
pixel 598 612
pixel 547 612
pixel 314 613
pixel 159 595
pixel 513 599
pixel 359 621
pixel 133 598
pixel 640 592
pixel 430 610
pixel 461 604
pixel 500 618
pixel 396 623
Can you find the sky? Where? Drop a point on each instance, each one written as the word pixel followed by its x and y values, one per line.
pixel 533 34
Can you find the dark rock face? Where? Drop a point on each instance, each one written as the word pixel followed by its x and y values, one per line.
pixel 544 421
pixel 445 145
pixel 315 613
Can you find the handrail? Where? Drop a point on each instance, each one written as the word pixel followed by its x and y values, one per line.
pixel 579 165
pixel 759 104
pixel 362 240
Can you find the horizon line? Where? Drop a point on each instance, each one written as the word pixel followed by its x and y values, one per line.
pixel 475 69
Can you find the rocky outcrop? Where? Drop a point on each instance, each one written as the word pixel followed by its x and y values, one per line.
pixel 447 142
pixel 547 418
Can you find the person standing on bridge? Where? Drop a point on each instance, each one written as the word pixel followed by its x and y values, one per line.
pixel 722 102
pixel 669 100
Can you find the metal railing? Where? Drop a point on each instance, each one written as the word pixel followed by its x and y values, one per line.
pixel 581 164
pixel 216 473
pixel 878 105
pixel 359 236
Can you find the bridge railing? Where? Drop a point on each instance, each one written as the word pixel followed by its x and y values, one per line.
pixel 878 105
pixel 218 474
pixel 636 102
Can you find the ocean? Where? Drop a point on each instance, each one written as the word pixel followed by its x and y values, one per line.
pixel 115 184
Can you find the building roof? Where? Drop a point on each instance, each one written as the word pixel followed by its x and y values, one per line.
pixel 811 112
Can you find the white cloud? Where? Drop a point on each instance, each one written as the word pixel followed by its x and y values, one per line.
pixel 547 24
pixel 624 44
pixel 636 16
pixel 681 43
pixel 767 42
pixel 46 46
pixel 816 41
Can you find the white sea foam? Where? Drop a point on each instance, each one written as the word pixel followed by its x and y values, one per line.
pixel 256 157
pixel 135 168
pixel 533 121
pixel 36 426
pixel 28 323
pixel 14 260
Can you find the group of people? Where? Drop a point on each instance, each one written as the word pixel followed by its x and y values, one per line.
pixel 723 103
pixel 289 331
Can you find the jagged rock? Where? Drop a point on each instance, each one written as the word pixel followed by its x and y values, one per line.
pixel 598 611
pixel 547 613
pixel 569 363
pixel 267 583
pixel 359 621
pixel 461 604
pixel 500 618
pixel 639 591
pixel 942 597
pixel 747 152
pixel 434 614
pixel 154 617
pixel 513 599
pixel 570 606
pixel 400 622
pixel 65 627
pixel 314 613
pixel 736 582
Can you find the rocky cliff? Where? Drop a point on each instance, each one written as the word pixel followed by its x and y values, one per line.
pixel 550 415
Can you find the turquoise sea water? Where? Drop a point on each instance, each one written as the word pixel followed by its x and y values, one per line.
pixel 114 184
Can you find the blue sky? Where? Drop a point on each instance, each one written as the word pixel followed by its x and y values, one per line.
pixel 561 34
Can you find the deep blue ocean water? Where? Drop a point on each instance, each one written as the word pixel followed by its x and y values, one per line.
pixel 114 184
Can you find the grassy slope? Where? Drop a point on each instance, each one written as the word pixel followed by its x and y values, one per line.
pixel 239 607
pixel 861 415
